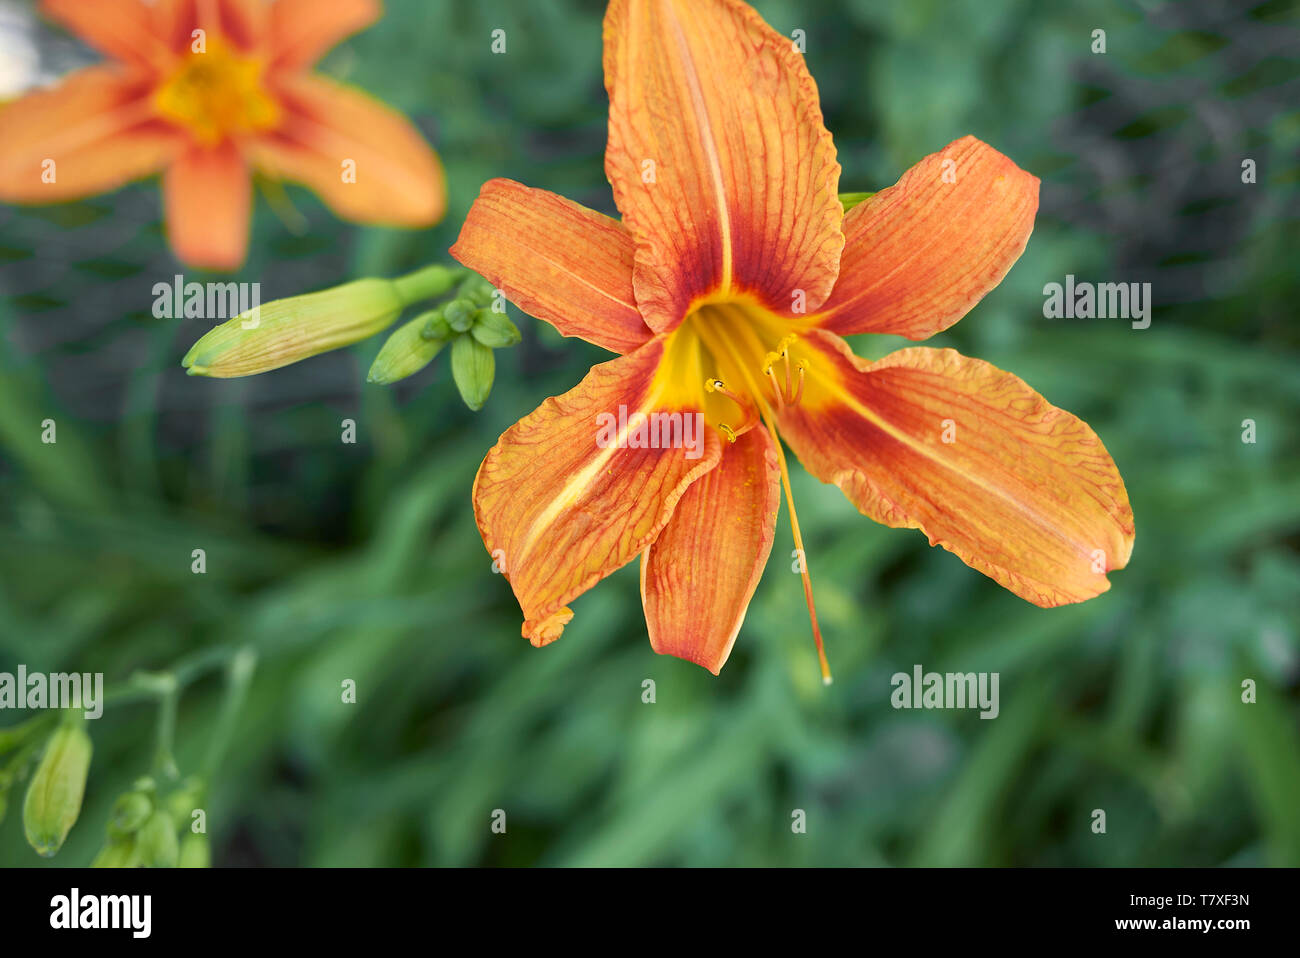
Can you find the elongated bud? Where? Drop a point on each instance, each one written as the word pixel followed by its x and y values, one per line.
pixel 54 794
pixel 473 367
pixel 406 352
pixel 195 851
pixel 288 330
pixel 285 331
pixel 156 841
pixel 460 314
pixel 495 330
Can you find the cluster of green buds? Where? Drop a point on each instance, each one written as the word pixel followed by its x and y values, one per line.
pixel 288 330
pixel 53 801
pixel 475 324
pixel 144 829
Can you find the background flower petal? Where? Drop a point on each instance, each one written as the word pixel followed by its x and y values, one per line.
pixel 304 30
pixel 123 29
pixel 248 22
pixel 1024 492
pixel 719 159
pixel 96 128
pixel 561 512
pixel 329 128
pixel 208 196
pixel 920 254
pixel 698 577
pixel 556 260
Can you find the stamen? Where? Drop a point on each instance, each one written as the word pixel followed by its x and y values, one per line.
pixel 783 347
pixel 798 393
pixel 776 386
pixel 751 415
pixel 790 392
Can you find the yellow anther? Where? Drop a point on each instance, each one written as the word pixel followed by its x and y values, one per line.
pixel 727 431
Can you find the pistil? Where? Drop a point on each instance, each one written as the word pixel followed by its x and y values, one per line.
pixel 722 349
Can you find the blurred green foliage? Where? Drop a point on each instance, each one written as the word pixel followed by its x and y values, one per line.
pixel 361 562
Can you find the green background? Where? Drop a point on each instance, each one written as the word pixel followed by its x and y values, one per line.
pixel 362 562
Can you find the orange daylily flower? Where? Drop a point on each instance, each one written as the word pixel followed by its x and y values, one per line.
pixel 726 289
pixel 209 91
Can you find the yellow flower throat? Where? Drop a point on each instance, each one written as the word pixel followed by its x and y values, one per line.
pixel 741 364
pixel 217 94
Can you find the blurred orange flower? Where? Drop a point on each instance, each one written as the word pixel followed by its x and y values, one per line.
pixel 210 91
pixel 726 289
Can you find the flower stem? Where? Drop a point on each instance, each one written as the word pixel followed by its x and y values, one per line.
pixel 428 282
pixel 239 674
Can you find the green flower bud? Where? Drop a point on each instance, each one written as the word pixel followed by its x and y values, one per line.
pixel 406 352
pixel 182 803
pixel 118 853
pixel 495 330
pixel 195 851
pixel 130 811
pixel 157 842
pixel 477 290
pixel 850 200
pixel 473 367
pixel 53 799
pixel 436 326
pixel 460 314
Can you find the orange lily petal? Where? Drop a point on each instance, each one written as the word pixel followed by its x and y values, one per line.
pixel 305 30
pixel 248 22
pixel 719 159
pixel 123 29
pixel 97 128
pixel 556 260
pixel 559 511
pixel 330 129
pixel 208 196
pixel 175 22
pixel 1024 492
pixel 699 575
pixel 920 254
